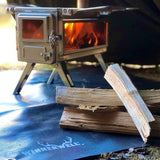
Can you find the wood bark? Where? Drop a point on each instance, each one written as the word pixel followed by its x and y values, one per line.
pixel 100 97
pixel 131 99
pixel 111 122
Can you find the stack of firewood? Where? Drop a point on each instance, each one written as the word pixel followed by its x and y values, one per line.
pixel 122 109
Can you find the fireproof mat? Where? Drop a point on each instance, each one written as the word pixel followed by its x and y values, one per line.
pixel 29 123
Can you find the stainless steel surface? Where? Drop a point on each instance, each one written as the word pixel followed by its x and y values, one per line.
pixel 51 49
pixel 52 76
pixel 82 3
pixel 101 61
pixel 64 74
pixel 35 50
pixel 29 67
pixel 68 11
pixel 38 16
pixel 83 52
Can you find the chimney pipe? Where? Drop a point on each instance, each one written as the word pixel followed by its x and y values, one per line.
pixel 82 3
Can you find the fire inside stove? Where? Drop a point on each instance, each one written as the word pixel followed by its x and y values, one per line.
pixel 80 35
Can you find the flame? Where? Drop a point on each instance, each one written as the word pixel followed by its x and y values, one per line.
pixel 66 25
pixel 84 34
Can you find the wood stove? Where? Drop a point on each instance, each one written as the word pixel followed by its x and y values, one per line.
pixel 56 35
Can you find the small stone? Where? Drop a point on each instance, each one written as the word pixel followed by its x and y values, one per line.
pixel 140 156
pixel 139 150
pixel 127 155
pixel 131 150
pixel 106 155
pixel 114 158
pixel 120 155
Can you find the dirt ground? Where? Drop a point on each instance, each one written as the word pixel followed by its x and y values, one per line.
pixel 145 153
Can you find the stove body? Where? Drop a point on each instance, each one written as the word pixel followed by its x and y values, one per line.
pixel 56 35
pixel 51 35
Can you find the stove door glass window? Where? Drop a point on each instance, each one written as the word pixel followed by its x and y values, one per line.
pixel 78 35
pixel 32 29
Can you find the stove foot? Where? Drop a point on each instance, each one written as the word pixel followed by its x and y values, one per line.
pixel 29 67
pixel 52 76
pixel 64 74
pixel 101 61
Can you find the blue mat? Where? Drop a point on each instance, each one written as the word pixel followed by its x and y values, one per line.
pixel 29 123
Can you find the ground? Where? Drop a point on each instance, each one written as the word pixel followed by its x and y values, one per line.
pixel 145 153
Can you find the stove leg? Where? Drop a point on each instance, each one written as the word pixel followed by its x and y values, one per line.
pixel 101 61
pixel 64 74
pixel 52 76
pixel 29 67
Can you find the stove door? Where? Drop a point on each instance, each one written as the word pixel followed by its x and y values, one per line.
pixel 83 37
pixel 33 30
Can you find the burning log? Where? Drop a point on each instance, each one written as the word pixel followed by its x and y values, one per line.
pixel 131 99
pixel 114 122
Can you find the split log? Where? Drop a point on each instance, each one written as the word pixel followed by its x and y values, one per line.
pixel 131 99
pixel 111 122
pixel 100 97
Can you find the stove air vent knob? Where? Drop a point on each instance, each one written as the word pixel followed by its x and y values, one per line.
pixel 46 55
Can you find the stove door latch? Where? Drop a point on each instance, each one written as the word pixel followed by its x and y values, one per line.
pixel 53 38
